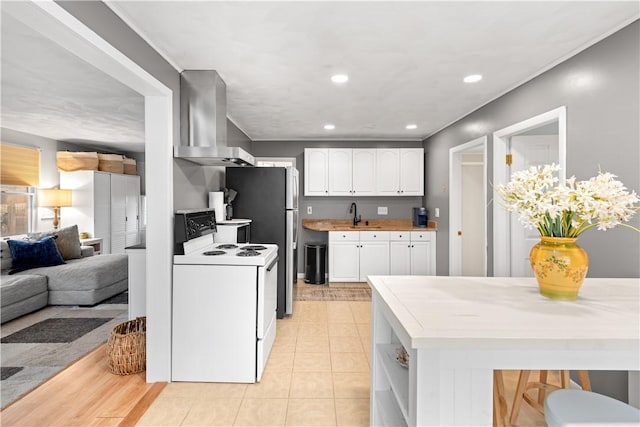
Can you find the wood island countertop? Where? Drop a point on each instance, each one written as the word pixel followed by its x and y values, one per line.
pixel 374 225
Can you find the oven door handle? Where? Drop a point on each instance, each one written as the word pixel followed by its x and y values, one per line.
pixel 274 262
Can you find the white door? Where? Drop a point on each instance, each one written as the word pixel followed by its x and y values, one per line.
pixel 374 259
pixel 421 264
pixel 364 172
pixel 316 169
pixel 388 172
pixel 343 262
pixel 132 225
pixel 472 217
pixel 400 258
pixel 527 151
pixel 118 213
pixel 340 172
pixel 412 172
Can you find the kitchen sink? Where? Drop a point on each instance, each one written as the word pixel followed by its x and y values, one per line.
pixel 365 227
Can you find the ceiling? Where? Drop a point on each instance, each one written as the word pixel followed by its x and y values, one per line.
pixel 405 62
pixel 48 91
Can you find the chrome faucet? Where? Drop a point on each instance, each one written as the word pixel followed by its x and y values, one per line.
pixel 354 210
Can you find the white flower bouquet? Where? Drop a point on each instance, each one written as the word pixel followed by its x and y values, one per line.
pixel 567 210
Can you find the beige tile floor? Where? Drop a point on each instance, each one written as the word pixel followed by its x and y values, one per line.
pixel 317 375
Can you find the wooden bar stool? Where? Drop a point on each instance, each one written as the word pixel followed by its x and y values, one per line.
pixel 563 408
pixel 499 402
pixel 524 386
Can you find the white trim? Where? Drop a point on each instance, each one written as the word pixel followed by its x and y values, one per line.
pixel 501 232
pixel 455 201
pixel 543 70
pixel 111 4
pixel 52 21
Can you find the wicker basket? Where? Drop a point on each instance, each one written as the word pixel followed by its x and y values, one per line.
pixel 113 163
pixel 127 347
pixel 69 161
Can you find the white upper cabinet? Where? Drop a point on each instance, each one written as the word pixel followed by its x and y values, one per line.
pixel 340 172
pixel 316 172
pixel 388 172
pixel 412 172
pixel 364 172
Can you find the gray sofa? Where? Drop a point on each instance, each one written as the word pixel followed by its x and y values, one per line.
pixel 83 281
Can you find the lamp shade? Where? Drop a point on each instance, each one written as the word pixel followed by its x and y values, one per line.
pixel 54 198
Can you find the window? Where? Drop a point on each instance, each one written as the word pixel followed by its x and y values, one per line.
pixel 19 176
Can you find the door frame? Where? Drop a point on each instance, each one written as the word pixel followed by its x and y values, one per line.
pixel 455 202
pixel 55 23
pixel 501 147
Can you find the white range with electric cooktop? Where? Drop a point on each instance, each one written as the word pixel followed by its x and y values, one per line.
pixel 224 304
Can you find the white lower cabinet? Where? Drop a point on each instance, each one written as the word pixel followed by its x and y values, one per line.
pixel 354 255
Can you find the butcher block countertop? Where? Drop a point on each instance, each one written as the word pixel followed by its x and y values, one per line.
pixel 374 224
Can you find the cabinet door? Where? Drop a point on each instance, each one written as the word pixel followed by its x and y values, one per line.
pixel 411 172
pixel 374 259
pixel 364 172
pixel 132 210
pixel 340 172
pixel 316 172
pixel 118 213
pixel 343 262
pixel 421 259
pixel 400 258
pixel 388 172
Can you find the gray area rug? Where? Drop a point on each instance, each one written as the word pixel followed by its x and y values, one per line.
pixel 31 353
pixel 56 330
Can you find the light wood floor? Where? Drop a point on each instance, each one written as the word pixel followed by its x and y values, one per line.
pixel 318 372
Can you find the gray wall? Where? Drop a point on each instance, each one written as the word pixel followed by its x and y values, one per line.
pixel 602 132
pixel 335 207
pixel 190 182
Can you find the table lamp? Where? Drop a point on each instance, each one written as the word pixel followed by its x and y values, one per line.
pixel 55 198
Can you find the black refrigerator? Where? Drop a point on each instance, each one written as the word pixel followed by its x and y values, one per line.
pixel 268 196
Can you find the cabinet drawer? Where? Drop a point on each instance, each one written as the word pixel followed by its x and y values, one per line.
pixel 399 235
pixel 344 236
pixel 374 235
pixel 417 236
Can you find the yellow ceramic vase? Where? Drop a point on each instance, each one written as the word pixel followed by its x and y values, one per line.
pixel 560 266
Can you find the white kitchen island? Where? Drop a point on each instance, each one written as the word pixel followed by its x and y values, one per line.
pixel 457 330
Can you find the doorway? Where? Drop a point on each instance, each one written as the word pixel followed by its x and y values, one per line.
pixel 55 23
pixel 467 209
pixel 536 141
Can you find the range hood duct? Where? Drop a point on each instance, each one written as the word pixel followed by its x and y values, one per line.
pixel 203 122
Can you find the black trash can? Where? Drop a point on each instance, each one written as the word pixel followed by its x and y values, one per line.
pixel 315 264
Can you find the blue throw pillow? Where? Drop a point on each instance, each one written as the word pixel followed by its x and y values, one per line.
pixel 28 254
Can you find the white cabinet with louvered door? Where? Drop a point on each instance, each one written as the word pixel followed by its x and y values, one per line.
pixel 132 218
pixel 316 172
pixel 400 253
pixel 411 172
pixel 118 213
pixel 344 264
pixel 364 172
pixel 340 172
pixel 388 172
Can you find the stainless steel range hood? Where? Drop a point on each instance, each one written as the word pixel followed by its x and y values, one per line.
pixel 203 122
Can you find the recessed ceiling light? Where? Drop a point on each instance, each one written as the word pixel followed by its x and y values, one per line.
pixel 472 78
pixel 411 126
pixel 339 78
pixel 329 126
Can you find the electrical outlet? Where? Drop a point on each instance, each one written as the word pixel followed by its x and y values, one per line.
pixel 437 212
pixel 382 210
pixel 309 210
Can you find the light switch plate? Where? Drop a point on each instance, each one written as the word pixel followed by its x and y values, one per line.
pixel 437 212
pixel 309 210
pixel 382 210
